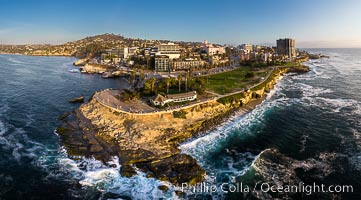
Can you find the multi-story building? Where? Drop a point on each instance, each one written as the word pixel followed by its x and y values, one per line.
pixel 212 49
pixel 267 57
pixel 116 60
pixel 146 51
pixel 247 47
pixel 186 64
pixel 216 60
pixel 243 55
pixel 170 49
pixel 161 63
pixel 122 53
pixel 286 47
pixel 256 47
pixel 132 51
pixel 253 55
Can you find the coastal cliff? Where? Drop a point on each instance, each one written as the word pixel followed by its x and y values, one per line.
pixel 150 141
pixel 96 68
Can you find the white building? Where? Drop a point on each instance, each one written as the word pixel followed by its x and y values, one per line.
pixel 123 53
pixel 170 49
pixel 212 49
pixel 247 47
pixel 188 96
pixel 132 51
pixel 266 57
pixel 161 100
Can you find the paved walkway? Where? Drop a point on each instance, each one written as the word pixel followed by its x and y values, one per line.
pixel 107 99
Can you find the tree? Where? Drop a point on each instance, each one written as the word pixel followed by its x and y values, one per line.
pixel 179 82
pixel 141 74
pixel 132 76
pixel 147 58
pixel 167 82
pixel 250 75
pixel 228 52
pixel 207 71
pixel 152 83
pixel 190 72
pixel 196 84
pixel 137 66
pixel 147 87
pixel 186 81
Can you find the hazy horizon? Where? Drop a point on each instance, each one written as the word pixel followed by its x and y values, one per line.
pixel 314 24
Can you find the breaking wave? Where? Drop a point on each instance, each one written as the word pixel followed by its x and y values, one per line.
pixel 106 178
pixel 15 61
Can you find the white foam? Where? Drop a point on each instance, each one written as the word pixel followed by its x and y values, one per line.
pixel 4 108
pixel 16 141
pixel 308 90
pixel 3 129
pixel 335 104
pixel 30 119
pixel 15 61
pixel 17 147
pixel 236 164
pixel 107 178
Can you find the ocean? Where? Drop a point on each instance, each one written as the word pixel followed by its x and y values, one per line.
pixel 308 118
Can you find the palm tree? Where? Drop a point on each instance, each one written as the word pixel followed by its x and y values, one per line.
pixel 186 81
pixel 207 70
pixel 141 74
pixel 148 62
pixel 167 82
pixel 132 76
pixel 179 82
pixel 190 74
pixel 152 83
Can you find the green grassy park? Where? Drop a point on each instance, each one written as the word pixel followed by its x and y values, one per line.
pixel 234 80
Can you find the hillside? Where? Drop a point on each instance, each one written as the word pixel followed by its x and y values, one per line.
pixel 89 46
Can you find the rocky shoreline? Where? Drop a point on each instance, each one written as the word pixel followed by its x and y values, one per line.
pixel 277 169
pixel 150 142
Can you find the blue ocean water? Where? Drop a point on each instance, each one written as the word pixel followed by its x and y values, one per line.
pixel 305 116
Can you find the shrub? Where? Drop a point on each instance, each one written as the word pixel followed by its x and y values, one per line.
pixel 180 114
pixel 229 99
pixel 250 74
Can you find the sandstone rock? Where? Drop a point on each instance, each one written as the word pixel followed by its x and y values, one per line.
pixel 127 171
pixel 163 188
pixel 77 100
pixel 177 169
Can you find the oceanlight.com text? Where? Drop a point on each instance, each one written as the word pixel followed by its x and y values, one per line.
pixel 307 189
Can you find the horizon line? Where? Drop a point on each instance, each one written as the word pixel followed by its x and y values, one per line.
pixel 224 44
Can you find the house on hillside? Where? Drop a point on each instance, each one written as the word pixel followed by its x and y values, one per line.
pixel 161 100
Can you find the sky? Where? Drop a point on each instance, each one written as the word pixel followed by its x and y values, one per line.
pixel 312 23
